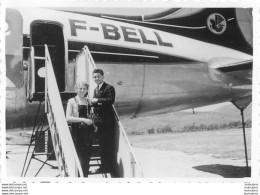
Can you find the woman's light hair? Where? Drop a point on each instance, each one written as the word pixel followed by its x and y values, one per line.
pixel 81 83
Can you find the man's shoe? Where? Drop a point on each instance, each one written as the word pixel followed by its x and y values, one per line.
pixel 102 170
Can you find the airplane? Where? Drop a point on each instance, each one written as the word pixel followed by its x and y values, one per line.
pixel 172 60
pixel 163 62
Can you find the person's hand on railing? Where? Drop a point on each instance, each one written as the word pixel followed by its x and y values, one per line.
pixel 87 121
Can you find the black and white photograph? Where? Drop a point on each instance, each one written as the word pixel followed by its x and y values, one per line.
pixel 106 93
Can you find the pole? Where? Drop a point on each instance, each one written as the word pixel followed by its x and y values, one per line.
pixel 244 134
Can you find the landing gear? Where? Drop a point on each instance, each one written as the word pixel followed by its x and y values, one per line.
pixel 242 104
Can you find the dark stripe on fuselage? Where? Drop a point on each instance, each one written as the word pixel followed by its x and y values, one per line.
pixel 231 37
pixel 106 53
pixel 246 66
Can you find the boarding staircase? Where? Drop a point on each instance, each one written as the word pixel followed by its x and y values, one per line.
pixel 67 159
pixel 65 152
pixel 126 164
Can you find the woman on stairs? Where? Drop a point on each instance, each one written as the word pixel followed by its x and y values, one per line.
pixel 82 129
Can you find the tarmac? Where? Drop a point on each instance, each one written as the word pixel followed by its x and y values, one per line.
pixel 174 155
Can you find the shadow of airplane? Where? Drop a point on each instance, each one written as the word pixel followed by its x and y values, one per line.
pixel 226 171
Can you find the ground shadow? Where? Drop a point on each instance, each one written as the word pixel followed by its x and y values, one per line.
pixel 226 171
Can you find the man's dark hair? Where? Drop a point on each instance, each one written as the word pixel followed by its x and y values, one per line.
pixel 98 70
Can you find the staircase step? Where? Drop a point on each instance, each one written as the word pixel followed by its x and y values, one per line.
pixel 95 165
pixel 95 158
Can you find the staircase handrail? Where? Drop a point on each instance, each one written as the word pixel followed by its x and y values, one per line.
pixel 64 148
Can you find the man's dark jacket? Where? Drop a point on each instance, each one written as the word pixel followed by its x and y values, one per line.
pixel 106 98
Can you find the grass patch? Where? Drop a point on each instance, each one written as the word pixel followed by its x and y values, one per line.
pixel 135 133
pixel 163 129
pixel 212 126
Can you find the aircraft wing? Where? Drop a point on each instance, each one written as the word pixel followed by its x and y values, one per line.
pixel 241 69
pixel 237 69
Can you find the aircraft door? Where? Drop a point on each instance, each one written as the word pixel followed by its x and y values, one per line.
pixel 50 33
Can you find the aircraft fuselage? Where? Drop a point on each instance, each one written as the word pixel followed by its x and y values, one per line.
pixel 152 71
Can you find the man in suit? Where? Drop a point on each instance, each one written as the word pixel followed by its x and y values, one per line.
pixel 102 101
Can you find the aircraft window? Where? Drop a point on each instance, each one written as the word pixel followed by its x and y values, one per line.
pixel 41 72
